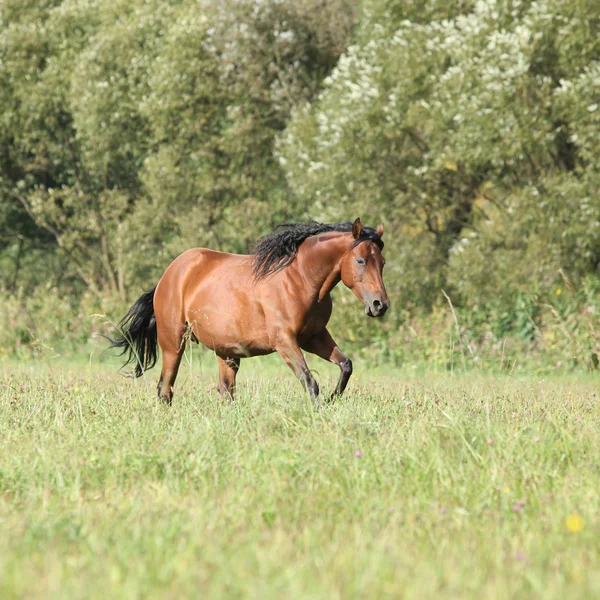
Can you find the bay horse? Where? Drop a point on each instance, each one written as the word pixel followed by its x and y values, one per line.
pixel 275 300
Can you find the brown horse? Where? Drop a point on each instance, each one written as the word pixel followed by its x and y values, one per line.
pixel 276 300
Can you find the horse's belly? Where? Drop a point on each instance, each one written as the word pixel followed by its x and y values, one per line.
pixel 229 333
pixel 233 347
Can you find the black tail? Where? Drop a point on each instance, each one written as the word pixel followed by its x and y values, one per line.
pixel 138 334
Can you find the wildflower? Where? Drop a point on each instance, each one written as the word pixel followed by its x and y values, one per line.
pixel 521 556
pixel 506 490
pixel 558 292
pixel 358 454
pixel 490 441
pixel 574 523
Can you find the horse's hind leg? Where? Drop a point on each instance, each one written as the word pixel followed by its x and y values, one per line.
pixel 228 368
pixel 172 346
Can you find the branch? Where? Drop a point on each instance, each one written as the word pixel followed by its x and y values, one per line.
pixel 59 240
pixel 417 136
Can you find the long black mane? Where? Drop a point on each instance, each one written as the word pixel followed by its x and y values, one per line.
pixel 278 249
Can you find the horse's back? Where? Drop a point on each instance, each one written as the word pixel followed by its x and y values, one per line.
pixel 197 263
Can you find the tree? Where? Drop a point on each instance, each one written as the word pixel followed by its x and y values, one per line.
pixel 443 127
pixel 135 129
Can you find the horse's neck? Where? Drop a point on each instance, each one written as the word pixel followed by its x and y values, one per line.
pixel 320 260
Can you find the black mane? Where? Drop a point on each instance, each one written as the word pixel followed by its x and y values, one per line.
pixel 278 249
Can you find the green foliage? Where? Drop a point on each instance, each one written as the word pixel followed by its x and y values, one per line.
pixel 539 235
pixel 131 131
pixel 49 324
pixel 475 129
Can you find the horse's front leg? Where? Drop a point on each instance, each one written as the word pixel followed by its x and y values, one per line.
pixel 289 350
pixel 323 345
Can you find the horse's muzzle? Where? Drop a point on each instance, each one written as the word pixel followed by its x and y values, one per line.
pixel 376 308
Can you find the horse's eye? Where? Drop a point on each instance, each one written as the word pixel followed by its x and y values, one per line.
pixel 360 261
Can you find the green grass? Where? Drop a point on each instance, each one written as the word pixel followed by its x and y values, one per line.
pixel 106 493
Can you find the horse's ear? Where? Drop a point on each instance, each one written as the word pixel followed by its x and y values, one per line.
pixel 380 230
pixel 356 229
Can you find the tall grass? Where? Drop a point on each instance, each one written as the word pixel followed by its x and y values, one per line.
pixel 408 486
pixel 535 335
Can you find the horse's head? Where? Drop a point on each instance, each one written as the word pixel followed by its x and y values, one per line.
pixel 362 269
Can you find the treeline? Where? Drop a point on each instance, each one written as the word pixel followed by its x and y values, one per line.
pixel 130 131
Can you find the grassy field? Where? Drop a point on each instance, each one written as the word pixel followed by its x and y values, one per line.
pixel 410 486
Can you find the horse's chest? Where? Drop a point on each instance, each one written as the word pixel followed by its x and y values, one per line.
pixel 316 319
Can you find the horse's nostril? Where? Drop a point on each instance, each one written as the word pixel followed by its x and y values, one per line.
pixel 376 304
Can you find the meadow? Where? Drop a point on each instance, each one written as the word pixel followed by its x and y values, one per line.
pixel 416 486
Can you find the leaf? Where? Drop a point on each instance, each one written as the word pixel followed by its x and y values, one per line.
pixel 451 166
